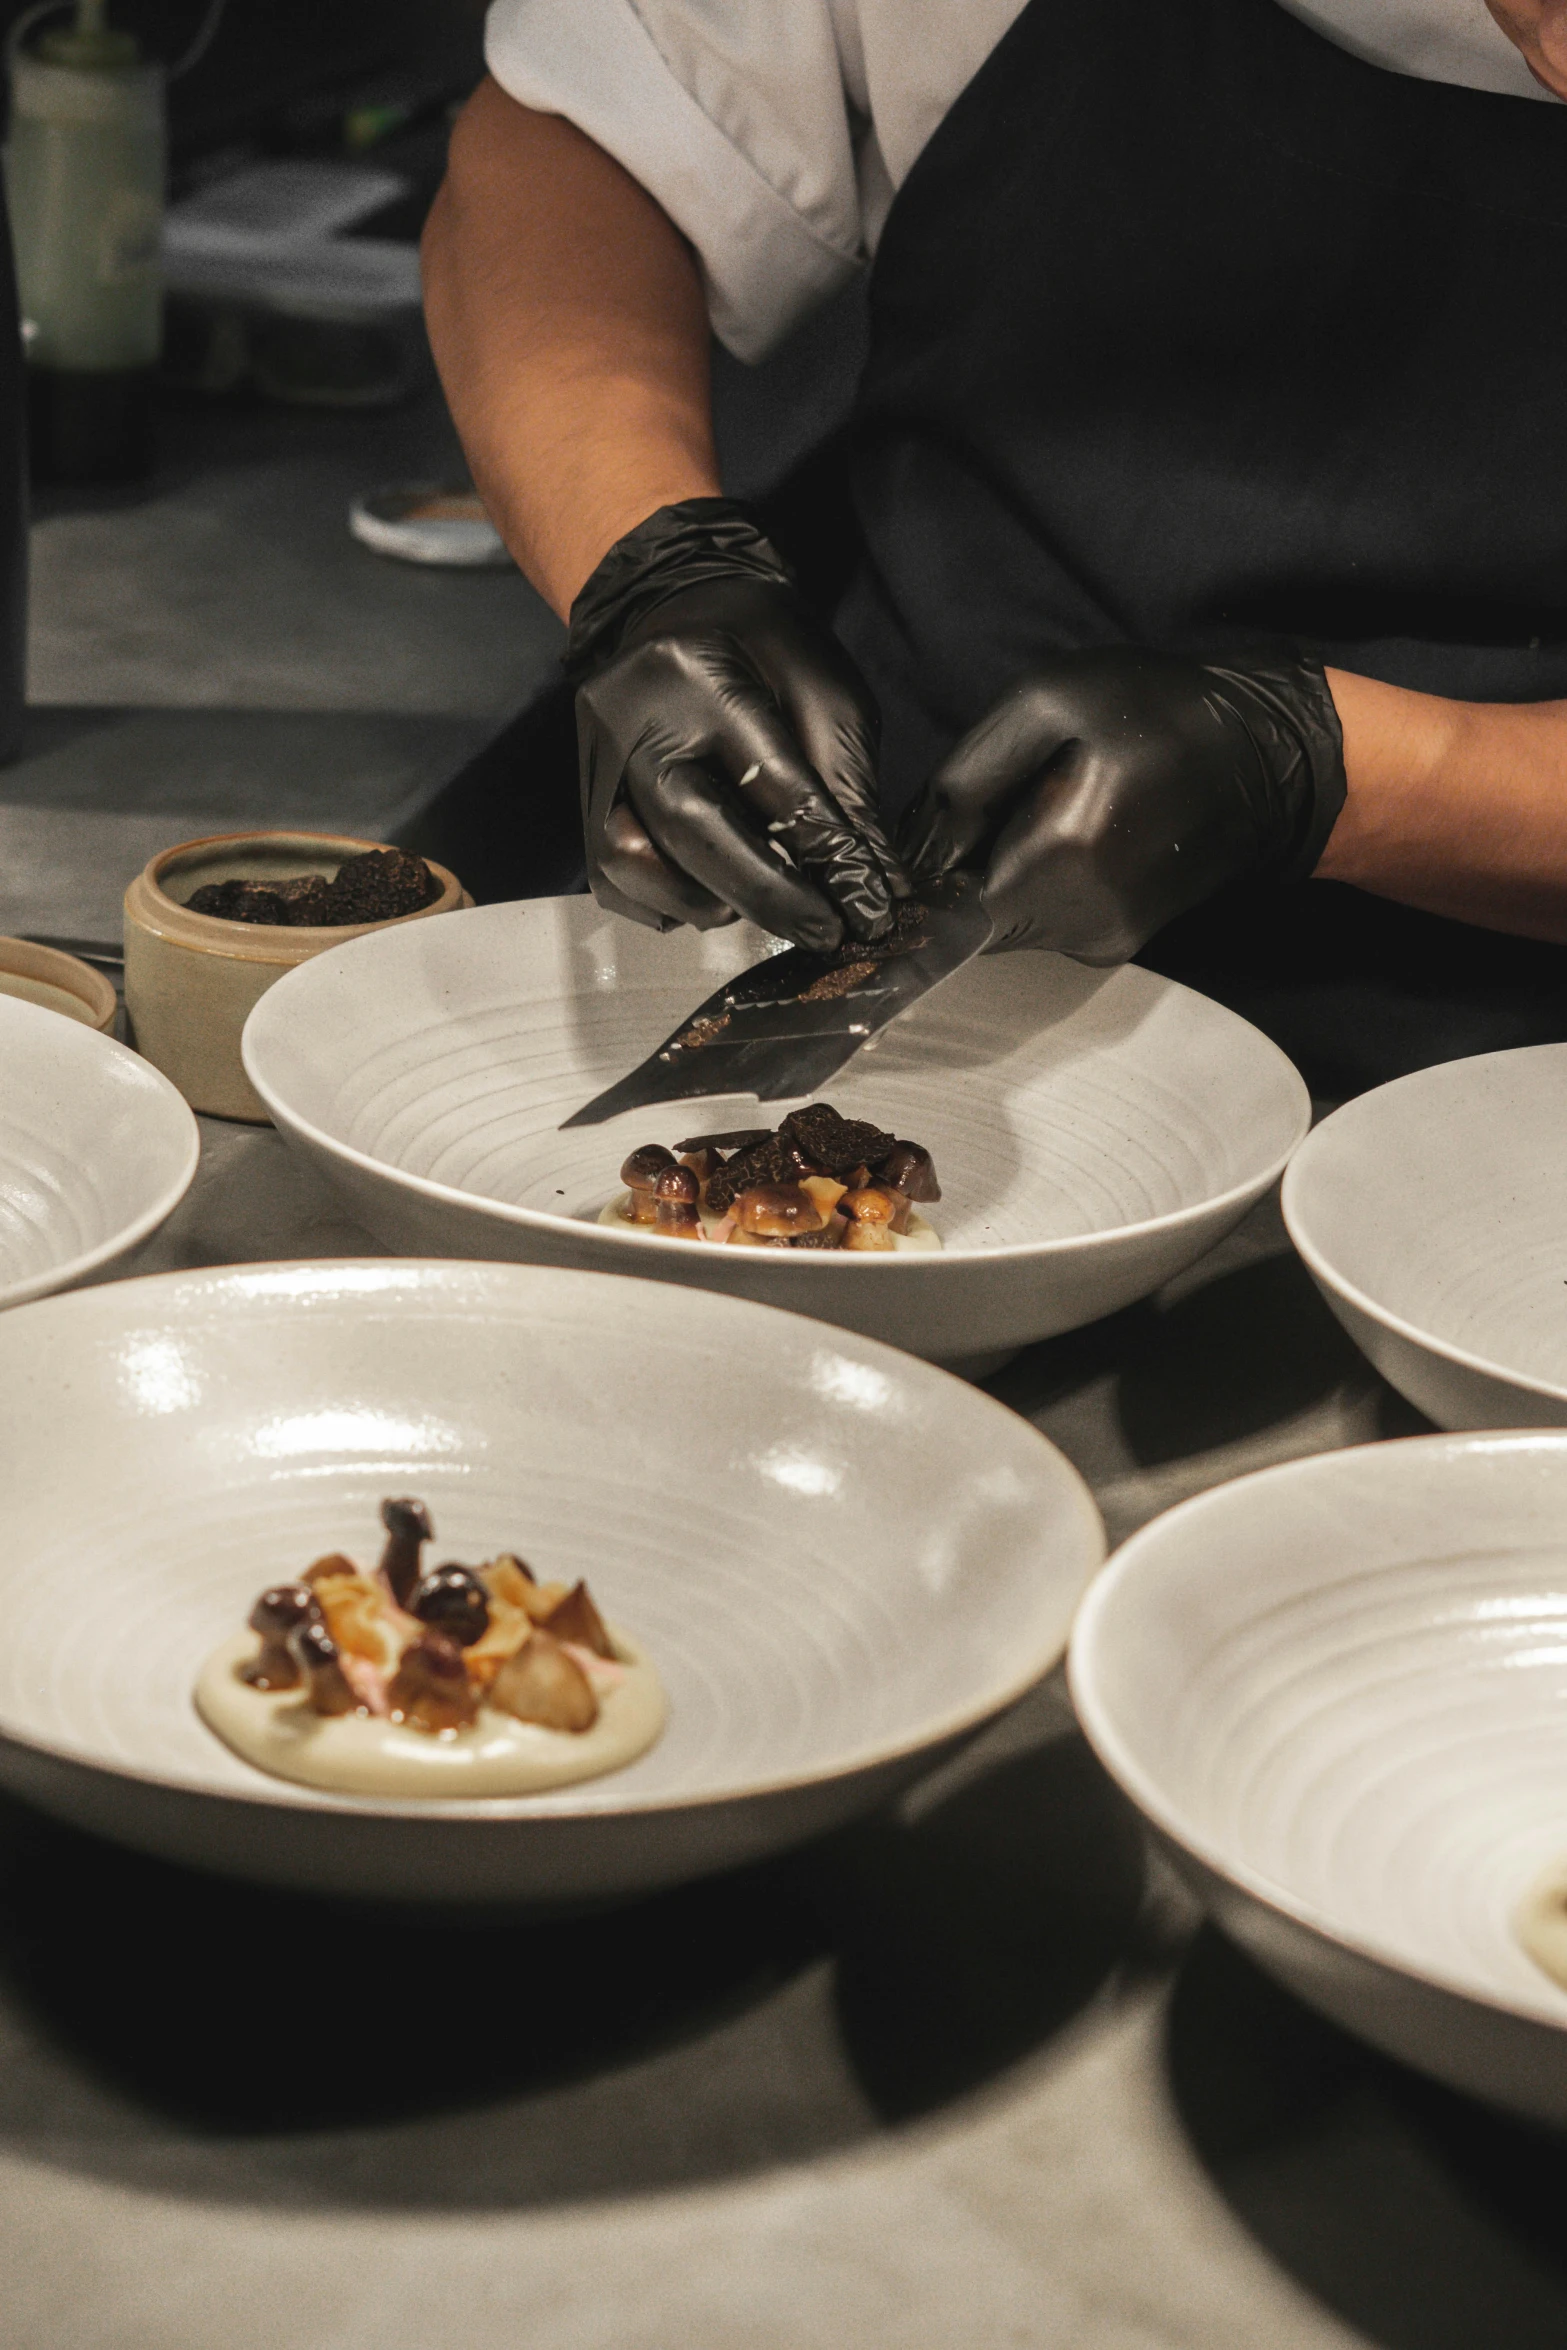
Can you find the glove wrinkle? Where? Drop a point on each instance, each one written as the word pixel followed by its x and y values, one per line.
pixel 713 705
pixel 676 548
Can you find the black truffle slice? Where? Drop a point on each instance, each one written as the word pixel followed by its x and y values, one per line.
pixel 743 1138
pixel 764 1162
pixel 238 901
pixel 380 884
pixel 306 900
pixel 837 1145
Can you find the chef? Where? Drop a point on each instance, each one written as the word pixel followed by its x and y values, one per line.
pixel 1204 505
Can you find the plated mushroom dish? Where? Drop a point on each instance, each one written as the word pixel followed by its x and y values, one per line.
pixel 818 1181
pixel 457 1681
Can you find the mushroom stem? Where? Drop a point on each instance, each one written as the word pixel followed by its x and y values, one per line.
pixel 408 1529
pixel 675 1212
pixel 640 1176
pixel 430 1689
pixel 316 1652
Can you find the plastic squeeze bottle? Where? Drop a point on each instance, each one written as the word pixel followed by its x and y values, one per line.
pixel 85 168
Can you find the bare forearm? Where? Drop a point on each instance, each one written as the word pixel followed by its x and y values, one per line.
pixel 1457 807
pixel 567 320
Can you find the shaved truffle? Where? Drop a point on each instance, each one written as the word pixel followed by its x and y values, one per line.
pixel 834 1144
pixel 375 886
pixel 380 884
pixel 741 1139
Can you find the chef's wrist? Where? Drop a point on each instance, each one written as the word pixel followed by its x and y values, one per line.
pixel 678 546
pixel 1397 745
pixel 593 515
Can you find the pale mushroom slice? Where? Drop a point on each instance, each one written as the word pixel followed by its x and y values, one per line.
pixel 542 1684
pixel 577 1619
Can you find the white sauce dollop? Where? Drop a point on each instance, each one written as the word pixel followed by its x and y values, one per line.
pixel 359 1754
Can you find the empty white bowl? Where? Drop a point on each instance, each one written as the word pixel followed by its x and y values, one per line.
pixel 96 1150
pixel 1094 1132
pixel 1338 1689
pixel 1432 1215
pixel 840 1560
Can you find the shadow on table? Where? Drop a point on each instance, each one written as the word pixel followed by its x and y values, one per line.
pixel 1422 2220
pixel 213 2040
pixel 1226 1359
pixel 1238 1355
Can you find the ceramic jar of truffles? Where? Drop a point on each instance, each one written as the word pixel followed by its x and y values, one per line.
pixel 191 980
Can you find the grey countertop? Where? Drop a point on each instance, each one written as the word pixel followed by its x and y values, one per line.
pixel 971 2073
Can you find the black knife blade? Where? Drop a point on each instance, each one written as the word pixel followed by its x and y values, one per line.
pixel 789 1023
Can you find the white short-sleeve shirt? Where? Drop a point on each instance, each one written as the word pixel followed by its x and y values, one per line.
pixel 775 133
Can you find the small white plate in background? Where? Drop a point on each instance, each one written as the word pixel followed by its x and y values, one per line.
pixel 428 522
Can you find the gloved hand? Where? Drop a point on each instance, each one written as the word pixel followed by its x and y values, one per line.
pixel 1109 791
pixel 716 717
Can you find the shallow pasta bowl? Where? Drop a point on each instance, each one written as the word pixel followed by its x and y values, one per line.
pixel 1337 1691
pixel 1432 1215
pixel 1094 1132
pixel 840 1560
pixel 96 1151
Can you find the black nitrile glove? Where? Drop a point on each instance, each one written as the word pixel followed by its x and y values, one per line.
pixel 1109 791
pixel 716 716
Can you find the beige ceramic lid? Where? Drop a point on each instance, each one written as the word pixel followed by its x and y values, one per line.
pixel 43 975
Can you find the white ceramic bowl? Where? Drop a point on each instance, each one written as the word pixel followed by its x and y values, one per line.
pixel 1094 1132
pixel 1432 1215
pixel 1338 1690
pixel 841 1560
pixel 96 1149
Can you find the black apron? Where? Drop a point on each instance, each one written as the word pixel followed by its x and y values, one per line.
pixel 1189 329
